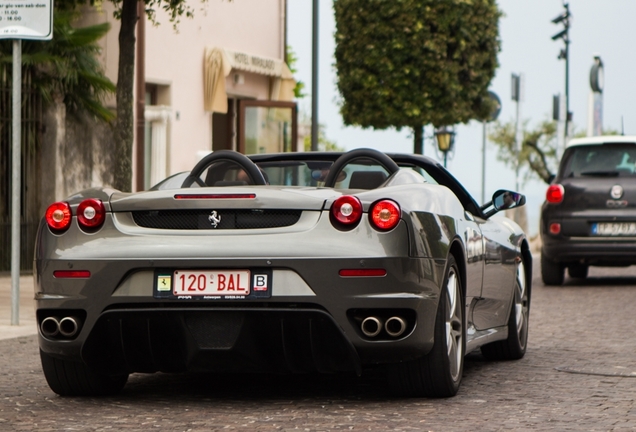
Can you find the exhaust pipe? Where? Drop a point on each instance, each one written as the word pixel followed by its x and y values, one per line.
pixel 69 326
pixel 395 326
pixel 50 327
pixel 371 326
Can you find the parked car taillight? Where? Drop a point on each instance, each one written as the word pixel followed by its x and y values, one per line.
pixel 58 216
pixel 384 215
pixel 91 214
pixel 346 211
pixel 555 194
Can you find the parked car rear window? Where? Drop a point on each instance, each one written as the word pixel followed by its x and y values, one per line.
pixel 603 160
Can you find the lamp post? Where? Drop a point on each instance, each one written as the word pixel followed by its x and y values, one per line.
pixel 564 54
pixel 445 141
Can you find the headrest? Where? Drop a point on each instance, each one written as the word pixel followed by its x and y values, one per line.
pixel 366 179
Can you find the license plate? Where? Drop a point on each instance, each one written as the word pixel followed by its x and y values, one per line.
pixel 614 228
pixel 224 283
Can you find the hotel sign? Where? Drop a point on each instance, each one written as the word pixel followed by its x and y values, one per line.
pixel 257 64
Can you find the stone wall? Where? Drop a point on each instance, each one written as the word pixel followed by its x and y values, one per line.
pixel 77 153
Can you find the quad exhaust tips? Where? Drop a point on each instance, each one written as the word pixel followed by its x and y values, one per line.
pixel 50 327
pixel 371 326
pixel 394 326
pixel 54 327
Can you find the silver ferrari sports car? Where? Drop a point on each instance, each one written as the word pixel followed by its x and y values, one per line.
pixel 282 263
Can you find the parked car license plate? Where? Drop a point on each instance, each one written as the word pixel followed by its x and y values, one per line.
pixel 614 228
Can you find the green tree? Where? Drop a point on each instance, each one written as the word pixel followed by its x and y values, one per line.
pixel 67 66
pixel 292 59
pixel 324 143
pixel 409 63
pixel 538 157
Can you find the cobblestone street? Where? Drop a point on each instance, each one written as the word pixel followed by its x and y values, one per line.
pixel 579 373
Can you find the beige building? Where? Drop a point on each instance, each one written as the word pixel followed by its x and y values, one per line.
pixel 218 82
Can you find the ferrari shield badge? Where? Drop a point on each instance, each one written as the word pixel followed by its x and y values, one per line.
pixel 214 218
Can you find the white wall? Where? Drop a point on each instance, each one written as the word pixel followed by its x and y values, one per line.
pixel 175 58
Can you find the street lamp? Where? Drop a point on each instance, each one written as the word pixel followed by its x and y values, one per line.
pixel 564 54
pixel 445 141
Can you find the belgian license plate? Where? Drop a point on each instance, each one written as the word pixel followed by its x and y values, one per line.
pixel 614 228
pixel 215 283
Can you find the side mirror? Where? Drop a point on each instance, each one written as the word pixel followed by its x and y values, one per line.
pixel 505 199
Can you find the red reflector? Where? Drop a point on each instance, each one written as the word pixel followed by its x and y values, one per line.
pixel 554 194
pixel 555 228
pixel 362 272
pixel 72 274
pixel 216 196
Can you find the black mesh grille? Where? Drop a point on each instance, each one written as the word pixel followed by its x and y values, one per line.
pixel 205 219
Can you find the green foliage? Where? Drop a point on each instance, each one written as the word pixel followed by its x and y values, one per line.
pixel 292 59
pixel 408 63
pixel 67 66
pixel 538 156
pixel 324 143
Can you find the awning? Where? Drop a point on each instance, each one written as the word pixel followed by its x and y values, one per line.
pixel 218 64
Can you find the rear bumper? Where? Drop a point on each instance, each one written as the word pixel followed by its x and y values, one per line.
pixel 311 322
pixel 591 251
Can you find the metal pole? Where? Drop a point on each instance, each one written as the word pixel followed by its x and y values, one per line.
pixel 483 164
pixel 314 78
pixel 15 182
pixel 517 145
pixel 567 87
pixel 566 39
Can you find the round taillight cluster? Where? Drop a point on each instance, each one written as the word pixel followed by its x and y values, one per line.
pixel 555 194
pixel 58 216
pixel 346 211
pixel 384 215
pixel 90 215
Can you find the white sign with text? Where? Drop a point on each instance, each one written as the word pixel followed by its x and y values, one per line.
pixel 26 19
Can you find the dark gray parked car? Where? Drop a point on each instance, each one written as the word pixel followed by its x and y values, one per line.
pixel 284 263
pixel 589 216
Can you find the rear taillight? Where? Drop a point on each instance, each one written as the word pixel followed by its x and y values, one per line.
pixel 384 215
pixel 346 211
pixel 555 228
pixel 58 216
pixel 555 194
pixel 91 214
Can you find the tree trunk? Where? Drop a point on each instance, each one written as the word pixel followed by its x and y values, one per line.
pixel 124 132
pixel 418 140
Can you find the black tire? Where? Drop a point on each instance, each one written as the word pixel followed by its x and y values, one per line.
pixel 72 378
pixel 439 373
pixel 578 271
pixel 514 347
pixel 552 273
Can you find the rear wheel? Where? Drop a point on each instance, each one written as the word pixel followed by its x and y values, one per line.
pixel 439 373
pixel 514 347
pixel 73 378
pixel 551 272
pixel 578 271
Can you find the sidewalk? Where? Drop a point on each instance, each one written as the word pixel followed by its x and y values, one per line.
pixel 26 318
